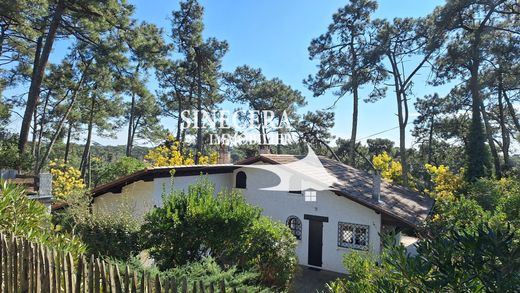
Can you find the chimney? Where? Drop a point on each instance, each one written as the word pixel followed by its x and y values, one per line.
pixel 45 188
pixel 376 188
pixel 264 149
pixel 224 156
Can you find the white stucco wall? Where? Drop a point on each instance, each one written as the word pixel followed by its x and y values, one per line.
pixel 142 196
pixel 136 197
pixel 139 197
pixel 280 205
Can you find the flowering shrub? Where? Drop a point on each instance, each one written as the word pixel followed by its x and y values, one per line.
pixel 446 183
pixel 169 154
pixel 65 179
pixel 390 170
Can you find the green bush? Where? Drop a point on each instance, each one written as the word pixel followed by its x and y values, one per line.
pixel 194 224
pixel 30 219
pixel 206 270
pixel 466 249
pixel 122 167
pixel 10 158
pixel 114 235
pixel 271 251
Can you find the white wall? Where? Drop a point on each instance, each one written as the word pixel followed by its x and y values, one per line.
pixel 163 185
pixel 280 205
pixel 142 196
pixel 139 197
pixel 136 197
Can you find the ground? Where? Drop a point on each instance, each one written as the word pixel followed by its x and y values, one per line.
pixel 309 281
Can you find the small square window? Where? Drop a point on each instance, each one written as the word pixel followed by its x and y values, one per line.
pixel 353 236
pixel 310 195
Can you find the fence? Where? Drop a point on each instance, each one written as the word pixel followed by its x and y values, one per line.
pixel 31 267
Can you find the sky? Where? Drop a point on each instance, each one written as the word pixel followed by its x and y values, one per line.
pixel 274 35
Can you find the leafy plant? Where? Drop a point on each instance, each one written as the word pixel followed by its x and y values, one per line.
pixel 30 219
pixel 113 235
pixel 10 158
pixel 195 223
pixel 122 167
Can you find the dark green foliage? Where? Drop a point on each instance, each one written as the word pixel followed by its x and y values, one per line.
pixel 462 253
pixel 314 129
pixel 207 271
pixel 348 59
pixel 9 156
pixel 30 219
pixel 478 161
pixel 122 167
pixel 195 224
pixel 113 235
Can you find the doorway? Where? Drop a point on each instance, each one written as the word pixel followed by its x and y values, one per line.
pixel 315 252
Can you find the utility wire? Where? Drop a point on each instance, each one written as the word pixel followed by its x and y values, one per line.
pixel 359 139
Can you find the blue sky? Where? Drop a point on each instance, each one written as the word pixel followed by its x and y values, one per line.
pixel 274 35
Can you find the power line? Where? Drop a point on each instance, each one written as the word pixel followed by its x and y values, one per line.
pixel 359 139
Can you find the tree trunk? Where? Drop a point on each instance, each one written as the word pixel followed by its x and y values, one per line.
pixel 199 106
pixel 67 144
pixel 355 106
pixel 352 147
pixel 86 150
pixel 512 111
pixel 179 119
pixel 3 28
pixel 476 151
pixel 42 125
pixel 503 128
pixel 491 142
pixel 430 138
pixel 129 141
pixel 34 132
pixel 65 116
pixel 37 76
pixel 55 136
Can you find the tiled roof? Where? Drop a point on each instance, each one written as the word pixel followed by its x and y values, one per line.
pixel 28 182
pixel 398 202
pixel 157 172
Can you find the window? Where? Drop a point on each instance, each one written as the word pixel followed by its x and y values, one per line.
pixel 353 236
pixel 310 195
pixel 241 180
pixel 295 224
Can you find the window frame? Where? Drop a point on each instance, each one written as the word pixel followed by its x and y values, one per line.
pixel 296 229
pixel 239 173
pixel 355 236
pixel 310 195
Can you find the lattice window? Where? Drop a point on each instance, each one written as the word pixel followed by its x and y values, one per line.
pixel 295 224
pixel 353 236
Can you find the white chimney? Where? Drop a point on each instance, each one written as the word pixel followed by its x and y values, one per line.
pixel 45 188
pixel 376 188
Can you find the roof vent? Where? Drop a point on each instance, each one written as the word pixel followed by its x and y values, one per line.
pixel 376 188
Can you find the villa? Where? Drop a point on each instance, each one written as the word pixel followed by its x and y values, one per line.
pixel 349 215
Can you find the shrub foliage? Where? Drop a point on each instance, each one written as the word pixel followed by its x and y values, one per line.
pixel 195 224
